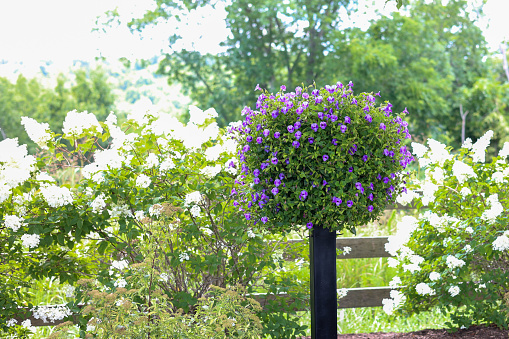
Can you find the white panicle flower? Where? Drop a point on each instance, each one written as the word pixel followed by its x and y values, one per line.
pixel 210 171
pixel 98 204
pixel 230 146
pixel 454 291
pixel 231 166
pixel 411 268
pixel 504 152
pixel 342 292
pixel 494 211
pixel 404 229
pixel 76 123
pixel 406 198
pixel 13 222
pixel 213 153
pixel 468 248
pixel 120 264
pixel 428 192
pixel 502 242
pixel 120 283
pixel 397 299
pixel 111 120
pixel 139 215
pixel 424 289
pixel 195 211
pixel 155 210
pixel 37 132
pixel 395 282
pixel 479 148
pixel 437 174
pixel 419 149
pixel 465 191
pixel 388 306
pixel 433 276
pixel 193 197
pixel 183 256
pixel 68 290
pixel 28 324
pixel 51 313
pixel 391 262
pixel 30 240
pixel 151 161
pixel 120 210
pixel 211 131
pixel 57 196
pixel 45 179
pixel 164 277
pixel 251 234
pixel 143 181
pixel 11 322
pixel 198 116
pixel 462 171
pixel 469 230
pixel 453 262
pixel 208 231
pixel 346 250
pixel 498 177
pixel 17 164
pixel 5 192
pixel 167 164
pixel 467 143
pixel 438 152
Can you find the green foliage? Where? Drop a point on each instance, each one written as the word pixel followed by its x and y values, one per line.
pixel 328 158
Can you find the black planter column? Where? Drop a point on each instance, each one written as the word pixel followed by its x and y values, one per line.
pixel 322 255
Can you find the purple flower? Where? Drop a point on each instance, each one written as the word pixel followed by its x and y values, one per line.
pixel 275 191
pixel 350 169
pixel 370 208
pixel 349 203
pixel 318 99
pixel 298 90
pixel 257 88
pixel 303 195
pixel 297 125
pixel 311 140
pixel 335 142
pixel 386 152
pixel 333 118
pixel 330 99
pixel 371 186
pixel 277 182
pixel 324 182
pixel 379 177
pixel 315 92
pixel 382 126
pixel 287 162
pixel 298 134
pixel 283 88
pixel 276 135
pixel 405 111
pixel 320 115
pixel 274 161
pixel 259 140
pixel 337 201
pixel 371 196
pixel 256 180
pixel 266 132
pixel 366 108
pixel 281 176
pixel 386 180
pixel 275 114
pixel 284 110
pixel 365 158
pixel 325 157
pixel 248 216
pixel 368 118
pixel 289 104
pixel 343 128
pixel 314 127
pixel 354 101
pixel 323 124
pixel 309 225
pixel 249 138
pixel 305 104
pixel 246 148
pixel 256 172
pixel 347 120
pixel 290 129
pixel 300 110
pixel 305 96
pixel 295 144
pixel 264 219
pixel 233 192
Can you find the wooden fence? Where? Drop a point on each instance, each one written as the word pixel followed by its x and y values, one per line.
pixel 362 247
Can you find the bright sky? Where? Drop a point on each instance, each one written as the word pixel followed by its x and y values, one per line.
pixel 60 30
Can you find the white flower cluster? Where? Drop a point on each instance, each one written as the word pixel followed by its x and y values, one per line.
pixel 28 324
pixel 16 166
pixel 406 198
pixel 479 148
pixel 76 123
pixel 119 211
pixel 44 179
pixel 30 240
pixel 213 153
pixel 454 290
pixel 438 154
pixel 98 204
pixel 104 160
pixel 120 283
pixel 198 116
pixel 428 192
pixel 183 256
pixel 11 322
pixel 167 164
pixel 195 211
pixel 119 264
pixel 13 222
pixel 51 313
pixel 437 174
pixel 396 300
pixel 419 149
pixel 433 276
pixel 395 282
pixel 193 197
pixel 404 230
pixel 504 152
pixel 424 289
pixel 453 262
pixel 415 261
pixel 465 191
pixel 37 132
pixel 68 290
pixel 462 171
pixel 57 196
pixel 502 242
pixel 347 250
pixel 143 181
pixel 211 171
pixel 342 292
pixel 151 161
pixel 495 209
pixel 155 210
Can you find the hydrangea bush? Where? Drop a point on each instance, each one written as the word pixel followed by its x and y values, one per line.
pixel 319 156
pixel 455 254
pixel 157 182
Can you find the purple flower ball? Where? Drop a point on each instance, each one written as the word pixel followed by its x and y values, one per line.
pixel 259 140
pixel 290 129
pixel 320 115
pixel 350 169
pixel 368 118
pixel 248 216
pixel 382 126
pixel 283 88
pixel 325 157
pixel 300 110
pixel 256 180
pixel 274 161
pixel 266 132
pixel 335 142
pixel 311 140
pixel 281 176
pixel 276 135
pixel 277 182
pixel 249 138
pixel 298 134
pixel 370 208
pixel 314 127
pixel 264 219
pixel 347 120
pixel 318 99
pixel 343 128
pixel 333 118
pixel 296 144
pixel 303 195
pixel 365 158
pixel 275 114
pixel 354 101
pixel 349 203
pixel 305 96
pixel 256 172
pixel 275 191
pixel 323 124
pixel 371 186
pixel 371 196
pixel 309 225
pixel 297 125
pixel 246 148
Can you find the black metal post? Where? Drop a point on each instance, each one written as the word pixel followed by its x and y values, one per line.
pixel 322 253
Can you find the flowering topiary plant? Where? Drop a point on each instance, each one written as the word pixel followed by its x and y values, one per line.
pixel 455 254
pixel 328 157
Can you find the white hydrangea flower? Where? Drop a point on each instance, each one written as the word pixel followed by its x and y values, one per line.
pixel 454 290
pixel 143 181
pixel 418 149
pixel 206 231
pixel 151 161
pixel 424 289
pixel 504 152
pixel 57 196
pixel 391 262
pixel 498 177
pixel 395 282
pixel 411 268
pixel 11 322
pixel 120 283
pixel 198 116
pixel 5 192
pixel 468 248
pixel 433 276
pixel 467 143
pixel 183 256
pixel 68 290
pixel 469 230
pixel 342 292
pixel 251 234
pixel 51 313
pixel 76 123
pixel 230 146
pixel 139 215
pixel 211 171
pixel 396 300
pixel 98 204
pixel 437 174
pixel 438 152
pixel 30 240
pixel 494 211
pixel 462 171
pixel 428 192
pixel 28 324
pixel 17 165
pixel 406 198
pixel 502 242
pixel 155 210
pixel 453 262
pixel 37 132
pixel 404 230
pixel 195 211
pixel 45 179
pixel 120 210
pixel 167 164
pixel 193 197
pixel 213 153
pixel 479 148
pixel 465 191
pixel 13 222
